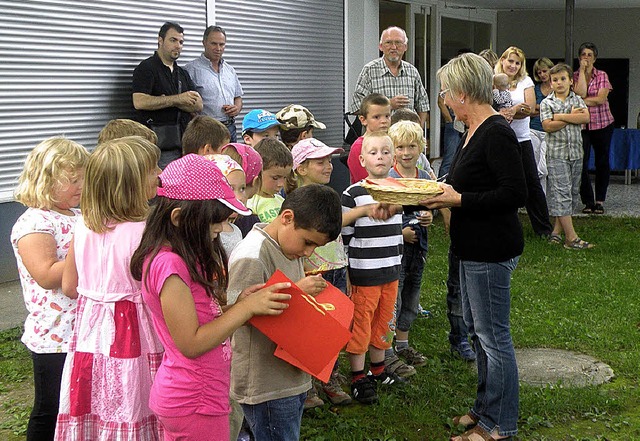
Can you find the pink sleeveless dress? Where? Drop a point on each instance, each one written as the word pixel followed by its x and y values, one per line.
pixel 114 352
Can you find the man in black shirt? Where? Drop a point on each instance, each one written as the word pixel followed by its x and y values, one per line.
pixel 164 95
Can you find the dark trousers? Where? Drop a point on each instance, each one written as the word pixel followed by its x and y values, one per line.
pixel 601 141
pixel 231 126
pixel 47 374
pixel 458 331
pixel 536 204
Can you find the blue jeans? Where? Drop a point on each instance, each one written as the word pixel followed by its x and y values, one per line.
pixel 338 278
pixel 276 420
pixel 413 258
pixel 486 303
pixel 451 142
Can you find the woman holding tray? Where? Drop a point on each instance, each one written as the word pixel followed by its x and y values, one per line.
pixel 486 185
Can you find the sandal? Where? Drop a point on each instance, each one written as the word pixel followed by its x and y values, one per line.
pixel 578 244
pixel 457 421
pixel 555 238
pixel 478 434
pixel 588 209
pixel 598 209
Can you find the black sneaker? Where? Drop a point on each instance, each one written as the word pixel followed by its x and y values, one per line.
pixel 386 378
pixel 364 390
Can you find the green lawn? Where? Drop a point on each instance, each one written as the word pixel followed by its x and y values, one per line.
pixel 584 301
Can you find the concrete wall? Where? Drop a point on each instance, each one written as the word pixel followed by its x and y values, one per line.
pixel 541 34
pixel 9 213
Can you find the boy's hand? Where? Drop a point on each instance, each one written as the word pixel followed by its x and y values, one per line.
pixel 265 301
pixel 312 285
pixel 425 218
pixel 578 110
pixel 409 235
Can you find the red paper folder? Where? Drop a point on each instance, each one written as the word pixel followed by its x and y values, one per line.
pixel 311 332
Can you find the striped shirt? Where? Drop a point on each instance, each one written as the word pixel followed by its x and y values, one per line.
pixel 374 247
pixel 601 115
pixel 376 77
pixel 565 143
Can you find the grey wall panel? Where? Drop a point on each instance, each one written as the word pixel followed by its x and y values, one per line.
pixel 66 67
pixel 288 52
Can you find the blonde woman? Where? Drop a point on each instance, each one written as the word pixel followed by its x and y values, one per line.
pixel 512 63
pixel 486 185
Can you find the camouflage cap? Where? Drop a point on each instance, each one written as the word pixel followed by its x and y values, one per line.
pixel 295 116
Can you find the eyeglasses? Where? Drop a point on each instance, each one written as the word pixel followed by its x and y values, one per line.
pixel 396 43
pixel 443 93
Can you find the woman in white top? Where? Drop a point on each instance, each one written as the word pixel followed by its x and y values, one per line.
pixel 521 87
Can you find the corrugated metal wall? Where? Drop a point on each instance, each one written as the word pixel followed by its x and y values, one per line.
pixel 67 65
pixel 288 52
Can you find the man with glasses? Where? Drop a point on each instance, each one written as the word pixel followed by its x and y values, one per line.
pixel 391 76
pixel 216 80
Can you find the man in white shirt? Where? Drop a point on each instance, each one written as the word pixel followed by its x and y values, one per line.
pixel 216 80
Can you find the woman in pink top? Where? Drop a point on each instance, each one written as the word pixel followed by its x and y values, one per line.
pixel 183 270
pixel 593 86
pixel 114 352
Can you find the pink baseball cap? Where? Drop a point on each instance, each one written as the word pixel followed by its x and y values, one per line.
pixel 311 148
pixel 251 160
pixel 194 178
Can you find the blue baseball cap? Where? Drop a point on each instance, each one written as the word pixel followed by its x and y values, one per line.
pixel 258 120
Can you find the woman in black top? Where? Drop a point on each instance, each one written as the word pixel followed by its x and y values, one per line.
pixel 486 187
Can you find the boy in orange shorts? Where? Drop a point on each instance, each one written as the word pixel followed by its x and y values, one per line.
pixel 374 249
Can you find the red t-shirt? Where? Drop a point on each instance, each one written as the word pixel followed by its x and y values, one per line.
pixel 356 171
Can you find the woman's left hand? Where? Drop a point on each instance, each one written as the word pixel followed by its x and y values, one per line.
pixel 449 198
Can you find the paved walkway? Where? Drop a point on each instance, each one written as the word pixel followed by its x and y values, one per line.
pixel 622 201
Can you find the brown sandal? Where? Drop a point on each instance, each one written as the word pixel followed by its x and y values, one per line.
pixel 479 432
pixel 457 421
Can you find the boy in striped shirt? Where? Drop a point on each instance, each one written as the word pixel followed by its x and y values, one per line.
pixel 374 249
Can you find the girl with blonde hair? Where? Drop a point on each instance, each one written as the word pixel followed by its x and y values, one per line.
pixel 114 353
pixel 50 186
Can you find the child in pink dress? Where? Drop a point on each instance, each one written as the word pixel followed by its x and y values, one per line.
pixel 50 186
pixel 114 353
pixel 183 270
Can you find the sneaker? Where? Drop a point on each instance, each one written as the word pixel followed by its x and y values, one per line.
pixel 334 391
pixel 364 390
pixel 423 312
pixel 394 366
pixel 313 400
pixel 412 357
pixel 386 378
pixel 463 350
